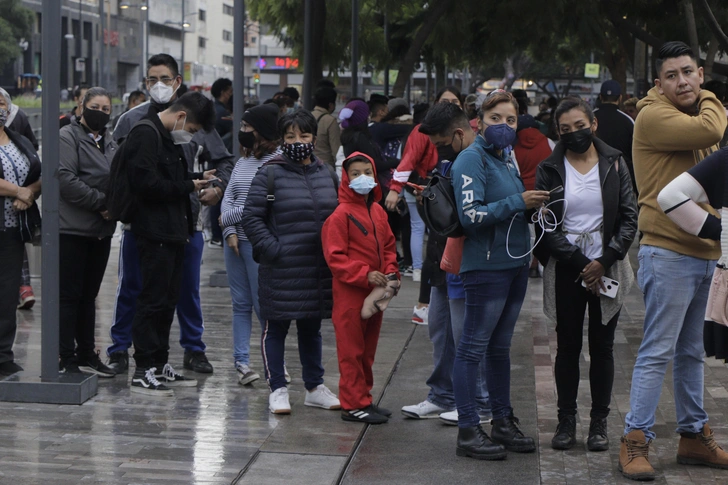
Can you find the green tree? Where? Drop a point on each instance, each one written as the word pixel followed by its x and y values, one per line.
pixel 16 22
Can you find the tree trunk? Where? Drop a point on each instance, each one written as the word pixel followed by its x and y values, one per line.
pixel 710 58
pixel 692 28
pixel 319 28
pixel 436 11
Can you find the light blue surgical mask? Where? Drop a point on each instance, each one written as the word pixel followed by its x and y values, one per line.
pixel 363 184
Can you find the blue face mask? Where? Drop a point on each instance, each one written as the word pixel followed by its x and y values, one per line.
pixel 363 184
pixel 500 136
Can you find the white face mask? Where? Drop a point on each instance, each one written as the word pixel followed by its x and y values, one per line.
pixel 180 137
pixel 161 93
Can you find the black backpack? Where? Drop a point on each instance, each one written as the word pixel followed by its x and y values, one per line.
pixel 120 202
pixel 440 208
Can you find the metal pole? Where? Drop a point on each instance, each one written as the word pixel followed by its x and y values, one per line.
pixel 238 68
pixel 307 55
pixel 386 68
pixel 182 53
pixel 354 48
pixel 102 50
pixel 51 65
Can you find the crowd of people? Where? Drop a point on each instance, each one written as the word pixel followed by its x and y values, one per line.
pixel 321 217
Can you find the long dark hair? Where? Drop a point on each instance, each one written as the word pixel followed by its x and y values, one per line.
pixel 261 148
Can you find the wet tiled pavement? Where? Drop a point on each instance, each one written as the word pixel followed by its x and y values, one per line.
pixel 222 433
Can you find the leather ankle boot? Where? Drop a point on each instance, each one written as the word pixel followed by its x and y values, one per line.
pixel 475 443
pixel 633 462
pixel 565 436
pixel 598 440
pixel 507 433
pixel 701 449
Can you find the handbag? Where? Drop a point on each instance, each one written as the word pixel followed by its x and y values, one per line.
pixel 717 308
pixel 452 256
pixel 378 300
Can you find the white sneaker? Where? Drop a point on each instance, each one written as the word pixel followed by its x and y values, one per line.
pixel 451 418
pixel 322 397
pixel 423 410
pixel 278 401
pixel 246 376
pixel 419 315
pixel 416 275
pixel 286 374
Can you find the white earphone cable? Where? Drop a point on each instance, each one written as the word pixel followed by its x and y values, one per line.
pixel 540 217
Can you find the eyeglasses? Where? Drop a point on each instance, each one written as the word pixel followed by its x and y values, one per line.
pixel 166 80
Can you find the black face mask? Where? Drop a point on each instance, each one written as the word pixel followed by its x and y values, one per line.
pixel 578 141
pixel 447 152
pixel 246 139
pixel 95 119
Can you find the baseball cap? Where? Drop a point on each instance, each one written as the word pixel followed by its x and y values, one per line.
pixel 610 88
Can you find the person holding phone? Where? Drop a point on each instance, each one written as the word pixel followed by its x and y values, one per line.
pixel 593 224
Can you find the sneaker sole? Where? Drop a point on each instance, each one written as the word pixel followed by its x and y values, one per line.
pixel 280 411
pixel 643 477
pixel 190 383
pixel 412 415
pixel 363 421
pixel 489 457
pixel 90 370
pixel 199 371
pixel 152 392
pixel 118 370
pixel 315 405
pixel 682 460
pixel 26 304
pixel 245 381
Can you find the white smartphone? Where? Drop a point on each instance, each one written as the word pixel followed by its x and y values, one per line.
pixel 612 286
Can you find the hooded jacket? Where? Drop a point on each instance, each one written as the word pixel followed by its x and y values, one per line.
pixel 667 142
pixel 83 178
pixel 419 156
pixel 293 279
pixel 489 192
pixel 357 240
pixel 531 149
pixel 620 209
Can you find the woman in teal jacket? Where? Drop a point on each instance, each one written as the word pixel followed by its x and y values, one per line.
pixel 494 269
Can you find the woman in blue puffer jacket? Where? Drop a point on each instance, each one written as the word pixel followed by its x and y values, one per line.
pixel 289 199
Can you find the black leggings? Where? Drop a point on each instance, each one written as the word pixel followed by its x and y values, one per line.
pixel 571 303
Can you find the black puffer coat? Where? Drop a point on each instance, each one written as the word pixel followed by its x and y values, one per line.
pixel 294 281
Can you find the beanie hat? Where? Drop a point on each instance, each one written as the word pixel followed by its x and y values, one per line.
pixel 354 114
pixel 394 102
pixel 264 119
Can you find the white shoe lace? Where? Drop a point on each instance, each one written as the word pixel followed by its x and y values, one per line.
pixel 151 378
pixel 169 372
pixel 242 368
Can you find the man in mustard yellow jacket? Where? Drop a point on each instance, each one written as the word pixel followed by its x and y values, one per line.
pixel 678 125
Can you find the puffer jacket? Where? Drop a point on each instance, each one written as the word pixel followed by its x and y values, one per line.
pixel 357 240
pixel 294 281
pixel 83 177
pixel 620 209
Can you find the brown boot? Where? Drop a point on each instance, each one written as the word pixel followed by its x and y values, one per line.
pixel 701 449
pixel 633 461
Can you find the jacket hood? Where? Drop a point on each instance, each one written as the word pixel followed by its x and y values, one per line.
pixel 653 96
pixel 529 137
pixel 346 194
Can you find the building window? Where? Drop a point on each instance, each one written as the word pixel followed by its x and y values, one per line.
pixel 227 60
pixel 252 40
pixel 227 36
pixel 201 42
pixel 202 15
pixel 227 9
pixel 38 23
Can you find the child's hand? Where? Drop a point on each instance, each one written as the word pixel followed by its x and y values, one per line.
pixel 377 279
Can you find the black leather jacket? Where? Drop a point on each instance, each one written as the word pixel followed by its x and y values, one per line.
pixel 620 208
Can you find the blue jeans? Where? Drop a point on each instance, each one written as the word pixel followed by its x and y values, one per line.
pixel 242 274
pixel 418 231
pixel 189 311
pixel 457 320
pixel 443 349
pixel 675 290
pixel 493 300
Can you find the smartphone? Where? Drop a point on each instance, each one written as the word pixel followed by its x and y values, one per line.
pixel 612 286
pixel 415 186
pixel 560 188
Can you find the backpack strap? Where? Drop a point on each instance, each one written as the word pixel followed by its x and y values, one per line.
pixel 334 177
pixel 321 116
pixel 148 122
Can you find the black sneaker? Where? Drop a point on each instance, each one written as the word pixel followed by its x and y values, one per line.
pixel 197 361
pixel 366 415
pixel 119 361
pixel 93 365
pixel 383 411
pixel 598 440
pixel 144 382
pixel 68 367
pixel 9 368
pixel 170 378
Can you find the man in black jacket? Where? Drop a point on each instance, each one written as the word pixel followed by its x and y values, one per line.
pixel 615 127
pixel 162 225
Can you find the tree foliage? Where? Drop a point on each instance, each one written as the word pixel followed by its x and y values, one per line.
pixel 16 22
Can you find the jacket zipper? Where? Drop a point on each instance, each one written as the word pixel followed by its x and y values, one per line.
pixel 359 224
pixel 317 216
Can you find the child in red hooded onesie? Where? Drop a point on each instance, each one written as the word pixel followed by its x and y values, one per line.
pixel 360 250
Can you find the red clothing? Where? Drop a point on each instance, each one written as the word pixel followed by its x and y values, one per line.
pixel 531 149
pixel 356 241
pixel 419 155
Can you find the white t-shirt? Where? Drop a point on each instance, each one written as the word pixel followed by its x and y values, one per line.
pixel 585 210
